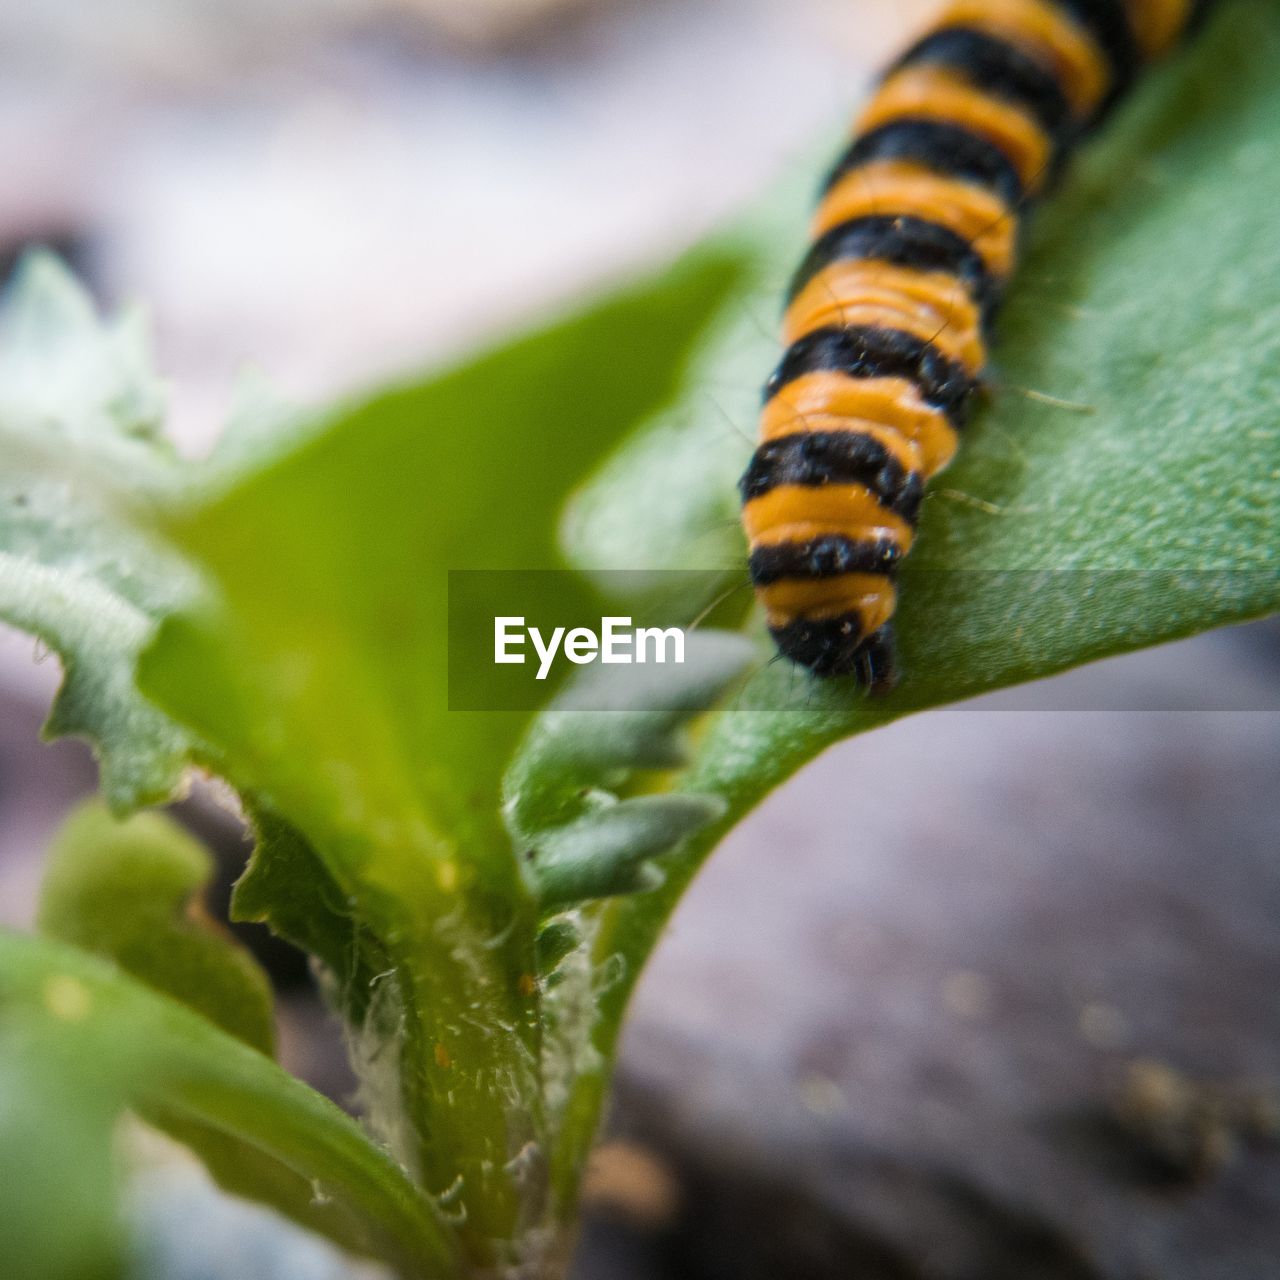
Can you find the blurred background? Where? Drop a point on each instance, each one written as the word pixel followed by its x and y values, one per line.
pixel 990 993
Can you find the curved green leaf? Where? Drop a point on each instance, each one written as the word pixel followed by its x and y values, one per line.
pixel 57 1214
pixel 586 752
pixel 118 1044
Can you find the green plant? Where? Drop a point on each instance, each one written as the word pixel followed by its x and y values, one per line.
pixel 480 889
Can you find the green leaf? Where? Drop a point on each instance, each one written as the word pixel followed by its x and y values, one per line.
pixel 1148 308
pixel 287 887
pixel 79 412
pixel 105 1042
pixel 556 941
pixel 317 669
pixel 578 837
pixel 57 1216
pixel 130 891
pixel 610 852
pixel 1150 300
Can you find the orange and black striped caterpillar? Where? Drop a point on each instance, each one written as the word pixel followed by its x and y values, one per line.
pixel 915 238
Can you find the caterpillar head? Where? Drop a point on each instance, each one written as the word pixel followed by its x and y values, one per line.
pixel 833 647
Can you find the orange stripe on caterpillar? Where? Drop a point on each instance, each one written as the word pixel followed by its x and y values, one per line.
pixel 899 187
pixel 932 94
pixel 932 306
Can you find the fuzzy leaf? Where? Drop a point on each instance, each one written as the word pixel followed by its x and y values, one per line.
pixel 130 891
pixel 79 415
pixel 556 940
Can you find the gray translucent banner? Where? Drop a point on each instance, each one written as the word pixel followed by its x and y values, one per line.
pixel 626 639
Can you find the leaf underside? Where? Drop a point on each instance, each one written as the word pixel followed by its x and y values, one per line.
pixel 80 408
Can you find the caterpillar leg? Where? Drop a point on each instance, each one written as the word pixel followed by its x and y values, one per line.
pixel 877 667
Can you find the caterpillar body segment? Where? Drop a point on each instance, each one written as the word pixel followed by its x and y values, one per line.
pixel 914 240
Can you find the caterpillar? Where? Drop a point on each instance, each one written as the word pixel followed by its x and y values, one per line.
pixel 887 319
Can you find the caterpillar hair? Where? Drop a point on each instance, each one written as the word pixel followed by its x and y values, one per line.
pixel 887 317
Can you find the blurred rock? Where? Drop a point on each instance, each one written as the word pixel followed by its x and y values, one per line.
pixel 894 1028
pixel 629 1183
